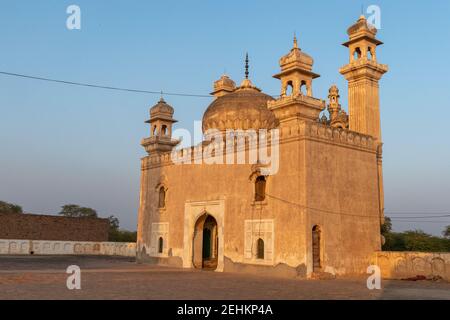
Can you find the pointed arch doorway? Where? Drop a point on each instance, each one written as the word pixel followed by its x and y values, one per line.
pixel 195 214
pixel 205 243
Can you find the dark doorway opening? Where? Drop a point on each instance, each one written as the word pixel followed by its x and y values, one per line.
pixel 316 249
pixel 205 243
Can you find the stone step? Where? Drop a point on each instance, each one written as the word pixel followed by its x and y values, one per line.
pixel 209 264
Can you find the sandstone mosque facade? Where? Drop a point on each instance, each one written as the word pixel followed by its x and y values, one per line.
pixel 320 212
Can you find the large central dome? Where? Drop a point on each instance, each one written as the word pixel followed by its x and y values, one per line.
pixel 243 108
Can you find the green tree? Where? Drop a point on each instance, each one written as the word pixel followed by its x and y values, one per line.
pixel 418 240
pixel 73 210
pixel 6 207
pixel 446 232
pixel 114 223
pixel 394 242
pixel 386 227
pixel 113 233
pixel 413 240
pixel 126 236
pixel 118 235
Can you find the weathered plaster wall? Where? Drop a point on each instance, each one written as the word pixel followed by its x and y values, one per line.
pixel 333 172
pixel 342 198
pixel 36 247
pixel 401 265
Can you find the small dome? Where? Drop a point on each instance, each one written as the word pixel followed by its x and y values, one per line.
pixel 333 91
pixel 296 57
pixel 224 81
pixel 244 108
pixel 223 86
pixel 161 109
pixel 362 25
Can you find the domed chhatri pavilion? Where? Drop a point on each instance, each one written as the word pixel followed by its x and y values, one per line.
pixel 319 212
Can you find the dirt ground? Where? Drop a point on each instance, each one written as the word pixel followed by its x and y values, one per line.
pixel 44 277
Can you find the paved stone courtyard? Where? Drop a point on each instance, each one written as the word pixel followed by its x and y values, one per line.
pixel 38 277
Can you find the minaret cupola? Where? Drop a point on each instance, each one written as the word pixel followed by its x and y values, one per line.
pixel 161 121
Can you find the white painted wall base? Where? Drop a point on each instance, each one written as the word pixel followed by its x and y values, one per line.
pixel 42 247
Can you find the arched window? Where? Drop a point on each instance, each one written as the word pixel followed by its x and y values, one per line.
pixel 260 188
pixel 162 198
pixel 303 88
pixel 369 53
pixel 260 249
pixel 289 88
pixel 160 245
pixel 357 54
pixel 164 130
pixel 154 130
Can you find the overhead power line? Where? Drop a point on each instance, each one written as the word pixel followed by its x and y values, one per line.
pixel 416 221
pixel 418 217
pixel 321 210
pixel 419 213
pixel 97 86
pixel 399 219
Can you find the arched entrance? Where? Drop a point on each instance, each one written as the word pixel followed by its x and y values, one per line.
pixel 316 249
pixel 205 243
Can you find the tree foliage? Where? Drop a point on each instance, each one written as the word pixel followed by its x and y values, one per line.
pixel 122 236
pixel 386 227
pixel 114 223
pixel 75 211
pixel 446 232
pixel 413 240
pixel 418 240
pixel 6 207
pixel 118 235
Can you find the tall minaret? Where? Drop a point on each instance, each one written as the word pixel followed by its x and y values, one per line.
pixel 363 73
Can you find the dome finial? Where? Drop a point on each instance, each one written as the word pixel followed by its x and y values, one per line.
pixel 361 16
pixel 295 41
pixel 246 65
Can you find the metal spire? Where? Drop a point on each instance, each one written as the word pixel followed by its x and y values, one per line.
pixel 362 12
pixel 246 65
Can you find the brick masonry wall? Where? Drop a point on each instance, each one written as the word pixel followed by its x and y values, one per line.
pixel 45 227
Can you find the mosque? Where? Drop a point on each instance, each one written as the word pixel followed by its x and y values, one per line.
pixel 318 211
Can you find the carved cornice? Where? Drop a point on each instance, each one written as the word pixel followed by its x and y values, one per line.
pixel 300 106
pixel 340 136
pixel 159 143
pixel 301 130
pixel 364 68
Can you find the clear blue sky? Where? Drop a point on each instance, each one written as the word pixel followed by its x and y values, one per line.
pixel 62 144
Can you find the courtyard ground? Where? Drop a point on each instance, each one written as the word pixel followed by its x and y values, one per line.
pixel 40 277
